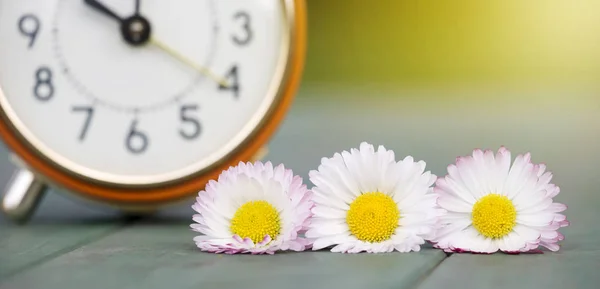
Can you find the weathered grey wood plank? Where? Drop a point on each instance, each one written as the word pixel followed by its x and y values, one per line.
pixel 551 271
pixel 23 247
pixel 58 226
pixel 161 256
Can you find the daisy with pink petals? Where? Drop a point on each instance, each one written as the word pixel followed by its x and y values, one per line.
pixel 253 208
pixel 495 206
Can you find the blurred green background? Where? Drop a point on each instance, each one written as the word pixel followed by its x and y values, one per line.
pixel 459 43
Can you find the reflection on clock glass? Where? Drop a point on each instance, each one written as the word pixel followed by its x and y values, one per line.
pixel 139 91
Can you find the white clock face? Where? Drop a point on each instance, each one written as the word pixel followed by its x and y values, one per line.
pixel 91 86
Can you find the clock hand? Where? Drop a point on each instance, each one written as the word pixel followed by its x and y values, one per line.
pixel 187 61
pixel 135 29
pixel 103 9
pixel 137 7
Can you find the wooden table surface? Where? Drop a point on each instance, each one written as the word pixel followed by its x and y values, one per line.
pixel 72 244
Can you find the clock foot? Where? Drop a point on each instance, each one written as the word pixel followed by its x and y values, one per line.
pixel 260 154
pixel 22 196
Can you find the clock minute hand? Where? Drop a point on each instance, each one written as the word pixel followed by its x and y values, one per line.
pixel 137 7
pixel 187 61
pixel 103 9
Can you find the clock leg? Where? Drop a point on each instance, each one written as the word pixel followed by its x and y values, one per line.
pixel 260 154
pixel 22 195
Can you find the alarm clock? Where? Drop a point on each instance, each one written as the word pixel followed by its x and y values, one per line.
pixel 137 104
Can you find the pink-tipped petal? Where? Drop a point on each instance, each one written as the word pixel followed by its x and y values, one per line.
pixel 528 187
pixel 277 185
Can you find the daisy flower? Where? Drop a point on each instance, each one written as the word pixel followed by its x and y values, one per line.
pixel 493 205
pixel 252 208
pixel 366 201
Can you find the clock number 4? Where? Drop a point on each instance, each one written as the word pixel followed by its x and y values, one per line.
pixel 233 81
pixel 136 140
pixel 248 32
pixel 29 25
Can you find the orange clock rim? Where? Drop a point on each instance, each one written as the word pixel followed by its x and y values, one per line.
pixel 171 192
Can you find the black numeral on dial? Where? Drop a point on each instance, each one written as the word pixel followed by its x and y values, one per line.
pixel 232 81
pixel 248 32
pixel 88 119
pixel 29 25
pixel 186 114
pixel 136 140
pixel 43 89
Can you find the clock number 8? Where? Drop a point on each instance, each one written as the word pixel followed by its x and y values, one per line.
pixel 136 141
pixel 43 88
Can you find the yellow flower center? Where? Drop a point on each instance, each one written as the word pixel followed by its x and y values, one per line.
pixel 494 216
pixel 255 220
pixel 373 217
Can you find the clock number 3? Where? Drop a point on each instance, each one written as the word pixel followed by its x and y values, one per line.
pixel 136 141
pixel 248 33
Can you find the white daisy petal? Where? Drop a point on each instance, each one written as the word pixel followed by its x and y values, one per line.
pixel 392 205
pixel 454 204
pixel 468 173
pixel 449 186
pixel 274 208
pixel 491 204
pixel 513 242
pixel 320 211
pixel 327 241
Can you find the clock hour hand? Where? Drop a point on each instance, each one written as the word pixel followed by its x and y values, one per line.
pixel 103 9
pixel 135 29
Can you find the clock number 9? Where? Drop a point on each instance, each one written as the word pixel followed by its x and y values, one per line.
pixel 136 141
pixel 247 29
pixel 29 25
pixel 184 115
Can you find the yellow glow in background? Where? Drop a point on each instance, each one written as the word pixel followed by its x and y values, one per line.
pixel 425 43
